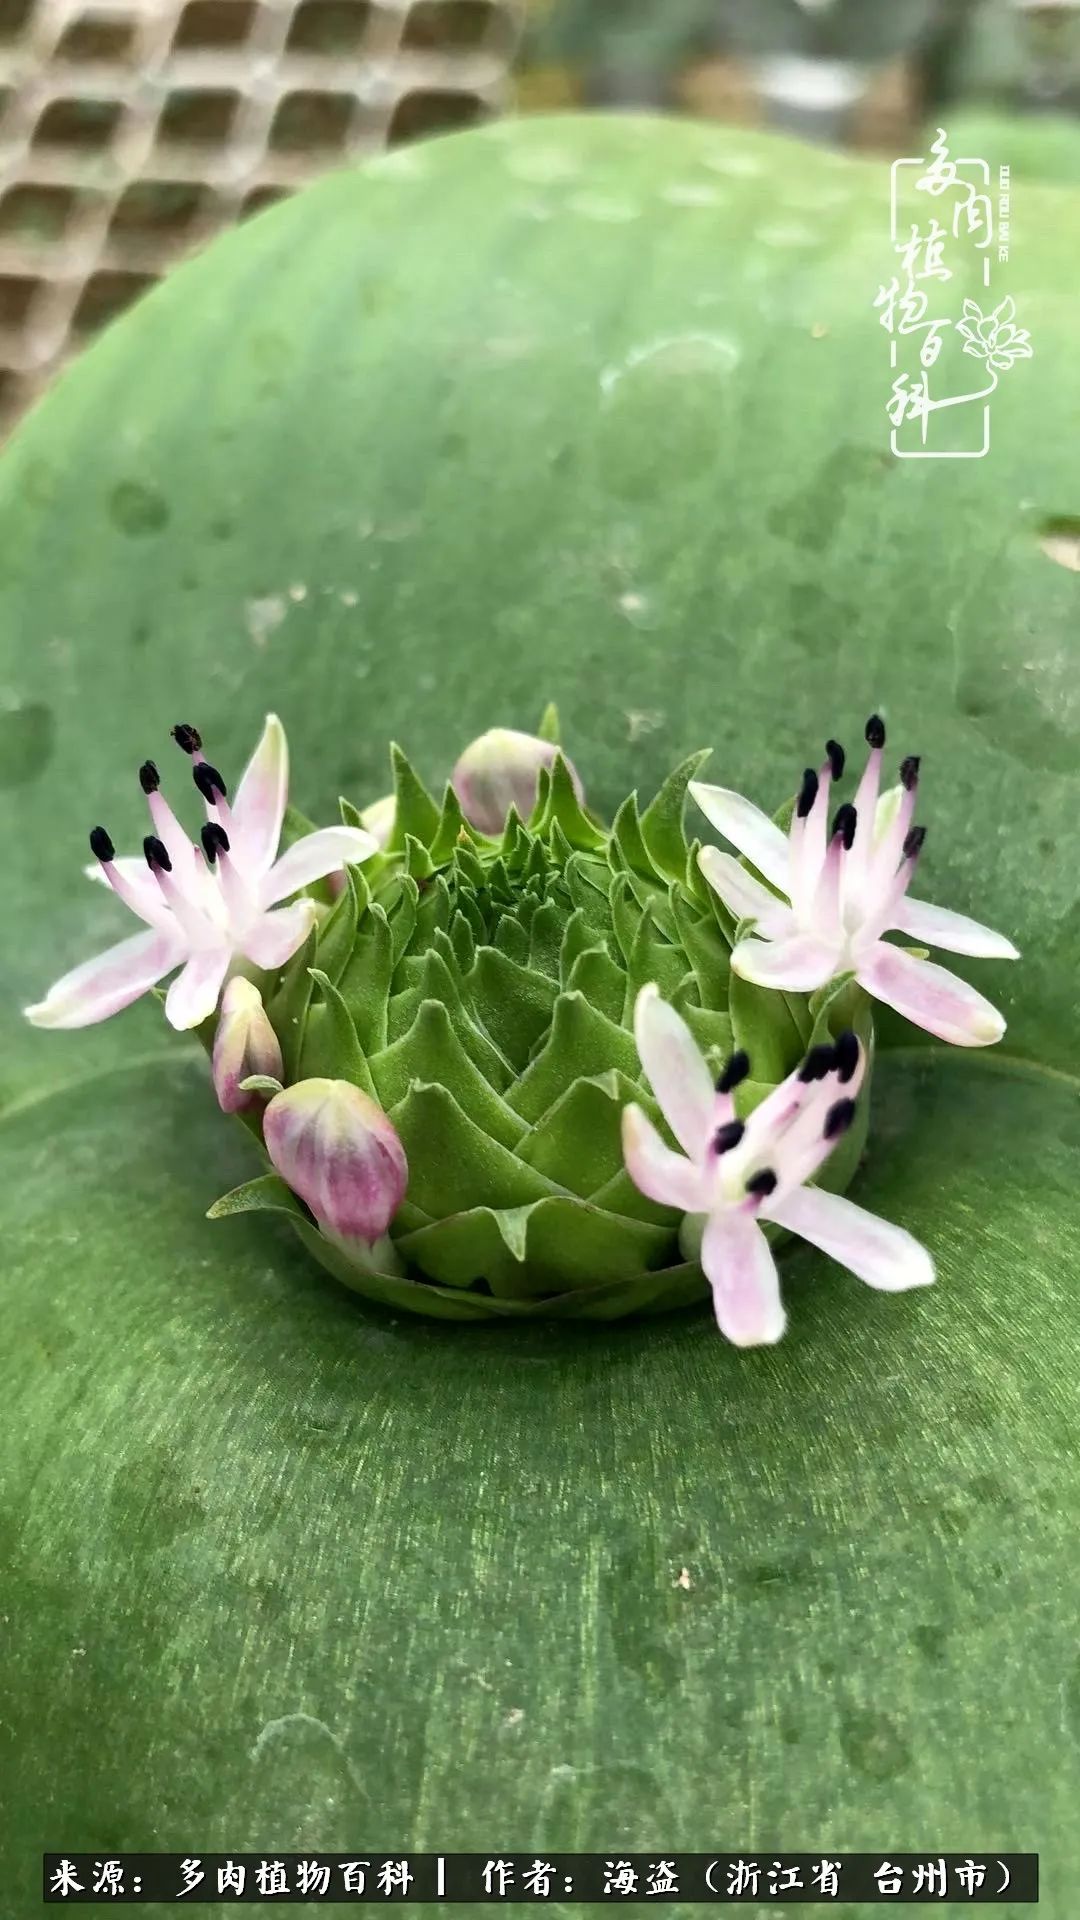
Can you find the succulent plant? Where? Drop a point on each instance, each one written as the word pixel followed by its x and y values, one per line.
pixel 481 990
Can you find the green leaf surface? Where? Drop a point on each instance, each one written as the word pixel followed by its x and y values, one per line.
pixel 406 457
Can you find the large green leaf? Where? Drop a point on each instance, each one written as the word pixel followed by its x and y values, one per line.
pixel 589 411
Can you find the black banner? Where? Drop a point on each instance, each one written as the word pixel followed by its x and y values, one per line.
pixel 515 1879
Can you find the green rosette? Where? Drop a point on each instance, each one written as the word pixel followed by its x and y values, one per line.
pixel 482 991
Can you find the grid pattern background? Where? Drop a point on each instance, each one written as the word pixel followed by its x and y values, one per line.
pixel 132 130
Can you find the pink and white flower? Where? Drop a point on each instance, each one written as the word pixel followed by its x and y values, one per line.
pixel 204 904
pixel 737 1173
pixel 843 888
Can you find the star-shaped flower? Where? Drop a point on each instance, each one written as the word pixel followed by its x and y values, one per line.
pixel 207 904
pixel 738 1173
pixel 839 889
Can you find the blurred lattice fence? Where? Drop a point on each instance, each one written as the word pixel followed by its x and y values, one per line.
pixel 131 130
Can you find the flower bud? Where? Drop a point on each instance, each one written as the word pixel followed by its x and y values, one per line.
pixel 245 1043
pixel 338 1151
pixel 500 770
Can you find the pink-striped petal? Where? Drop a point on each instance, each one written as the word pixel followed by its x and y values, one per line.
pixel 193 995
pixel 795 965
pixel 111 981
pixel 274 937
pixel 755 835
pixel 940 927
pixel 656 1170
pixel 745 1285
pixel 676 1071
pixel 743 894
pixel 258 807
pixel 312 857
pixel 873 1250
pixel 931 997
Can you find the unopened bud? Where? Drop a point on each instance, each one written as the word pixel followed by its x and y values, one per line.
pixel 338 1151
pixel 501 770
pixel 245 1043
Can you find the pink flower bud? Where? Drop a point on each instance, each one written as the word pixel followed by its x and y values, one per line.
pixel 337 1150
pixel 245 1043
pixel 500 770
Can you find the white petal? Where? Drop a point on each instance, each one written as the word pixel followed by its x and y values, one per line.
pixel 312 857
pixel 180 849
pixel 892 817
pixel 136 887
pixel 931 997
pixel 874 1250
pixel 194 993
pixel 676 1071
pixel 743 894
pixel 656 1169
pixel 796 965
pixel 747 828
pixel 258 807
pixel 112 980
pixel 740 1269
pixel 940 927
pixel 274 937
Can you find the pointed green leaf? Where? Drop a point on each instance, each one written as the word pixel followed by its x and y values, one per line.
pixel 705 948
pixel 582 1042
pixel 652 960
pixel 267 1194
pixel 337 933
pixel 628 838
pixel 433 1050
pixel 402 917
pixel 578 1142
pixel 512 1003
pixel 287 1006
pixel 415 813
pixel 448 832
pixel 419 864
pixel 331 1049
pixel 565 811
pixel 365 984
pixel 596 975
pixel 662 820
pixel 453 1163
